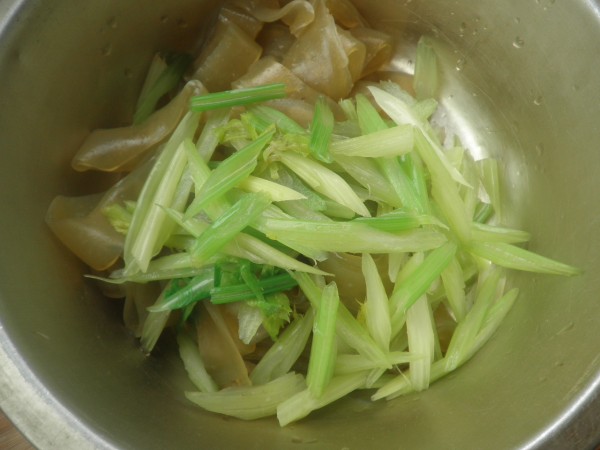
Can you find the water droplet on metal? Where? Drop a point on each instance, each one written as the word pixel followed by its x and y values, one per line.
pixel 460 64
pixel 538 101
pixel 518 42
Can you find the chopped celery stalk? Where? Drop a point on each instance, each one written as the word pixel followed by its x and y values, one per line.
pixel 303 403
pixel 512 257
pixel 226 227
pixel 483 212
pixel 376 307
pixel 197 167
pixel 194 366
pixel 238 97
pixel 368 118
pixel 321 130
pixel 399 220
pixel 345 363
pixel 395 141
pixel 401 384
pixel 465 335
pixel 119 217
pixel 425 108
pixel 490 178
pixel 197 289
pixel 349 109
pixel 492 233
pixel 400 182
pixel 141 242
pixel 250 402
pixel 228 174
pixel 241 292
pixel 267 116
pixel 324 181
pixel 165 82
pixel 413 166
pixel 421 341
pixel 277 192
pixel 284 353
pixel 155 323
pixel 425 81
pixel 209 138
pixel 407 291
pixel 350 237
pixel 454 285
pixel 323 349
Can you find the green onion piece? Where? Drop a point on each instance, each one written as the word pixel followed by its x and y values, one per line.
pixel 321 130
pixel 421 341
pixel 323 348
pixel 197 289
pixel 228 174
pixel 512 257
pixel 425 81
pixel 166 81
pixel 376 307
pixel 282 355
pixel 241 292
pixel 492 233
pixel 388 142
pixel 265 116
pixel 237 97
pixel 194 366
pixel 250 402
pixel 226 227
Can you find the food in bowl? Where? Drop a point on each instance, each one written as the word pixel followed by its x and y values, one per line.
pixel 298 215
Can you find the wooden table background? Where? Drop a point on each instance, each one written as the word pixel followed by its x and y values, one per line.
pixel 10 437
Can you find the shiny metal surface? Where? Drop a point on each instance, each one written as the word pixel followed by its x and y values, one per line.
pixel 520 83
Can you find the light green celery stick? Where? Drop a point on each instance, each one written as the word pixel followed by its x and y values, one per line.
pixel 464 336
pixel 238 97
pixel 395 263
pixel 349 109
pixel 228 174
pixel 490 178
pixel 303 403
pixel 250 402
pixel 324 181
pixel 268 116
pixel 483 212
pixel 399 220
pixel 336 211
pixel 197 167
pixel 277 192
pixel 284 353
pixel 226 227
pixel 194 366
pixel 376 308
pixel 454 285
pixel 512 257
pixel 401 384
pixel 366 172
pixel 389 142
pixel 209 139
pixel 421 341
pixel 345 363
pixel 198 288
pixel 491 233
pixel 323 349
pixel 352 237
pixel 407 291
pixel 368 117
pixel 424 109
pixel 149 217
pixel 444 190
pixel 413 166
pixel 425 81
pixel 470 194
pixel 151 275
pixel 401 183
pixel 347 327
pixel 301 210
pixel 155 323
pixel 321 130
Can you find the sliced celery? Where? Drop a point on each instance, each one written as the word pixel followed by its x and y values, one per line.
pixel 376 306
pixel 321 131
pixel 238 97
pixel 425 81
pixel 421 341
pixel 276 191
pixel 454 285
pixel 267 116
pixel 388 142
pixel 240 292
pixel 194 366
pixel 493 233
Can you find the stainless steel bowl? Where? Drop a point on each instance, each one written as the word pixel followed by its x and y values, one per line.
pixel 521 83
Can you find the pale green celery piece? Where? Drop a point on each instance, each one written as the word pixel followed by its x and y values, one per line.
pixel 301 210
pixel 424 109
pixel 226 227
pixel 399 220
pixel 413 167
pixel 376 308
pixel 155 323
pixel 194 366
pixel 267 116
pixel 421 341
pixel 228 174
pixel 197 166
pixel 349 109
pixel 187 271
pixel 209 139
pixel 465 334
pixel 277 192
pixel 118 216
pixel 395 141
pixel 492 233
pixel 198 288
pixel 323 348
pixel 401 113
pixel 444 190
pixel 400 182
pixel 237 134
pixel 454 285
pixel 324 181
pixel 401 384
pixel 490 178
pixel 513 257
pixel 346 129
pixel 287 178
pixel 334 210
pixel 157 67
pixel 321 130
pixel 347 327
pixel 470 194
pixel 395 263
pixel 238 97
pixel 286 350
pixel 483 212
pixel 369 119
pixel 367 173
pixel 303 403
pixel 425 81
pixel 250 402
pixel 374 377
pixel 161 184
pixel 408 290
pixel 396 90
pixel 346 363
pixel 351 237
pixel 249 321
